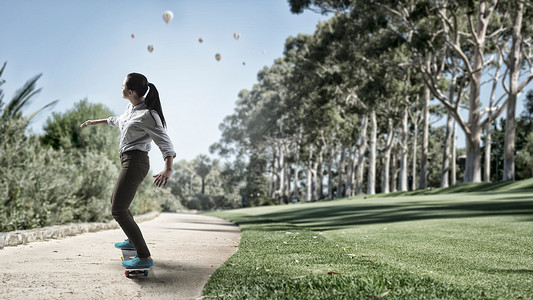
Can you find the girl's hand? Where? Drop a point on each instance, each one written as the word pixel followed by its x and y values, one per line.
pixel 162 178
pixel 87 123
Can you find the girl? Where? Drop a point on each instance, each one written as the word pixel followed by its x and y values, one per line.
pixel 142 122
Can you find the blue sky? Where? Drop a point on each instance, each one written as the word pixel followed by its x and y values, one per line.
pixel 84 50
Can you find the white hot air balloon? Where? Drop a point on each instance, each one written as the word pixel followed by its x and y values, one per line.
pixel 167 16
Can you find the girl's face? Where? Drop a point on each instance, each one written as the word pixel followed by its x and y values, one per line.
pixel 126 94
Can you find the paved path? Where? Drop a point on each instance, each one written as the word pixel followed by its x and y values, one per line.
pixel 186 248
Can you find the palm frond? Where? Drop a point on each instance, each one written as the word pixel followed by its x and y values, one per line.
pixel 18 109
pixel 40 110
pixel 2 81
pixel 21 98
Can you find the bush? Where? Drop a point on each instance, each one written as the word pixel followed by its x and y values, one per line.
pixel 36 188
pixel 262 201
pixel 96 175
pixel 41 186
pixel 203 202
pixel 150 198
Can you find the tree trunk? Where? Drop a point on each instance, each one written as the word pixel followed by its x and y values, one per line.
pixel 330 177
pixel 386 159
pixel 274 177
pixel 473 152
pixel 340 172
pixel 309 175
pixel 488 146
pixel 404 151
pixel 371 180
pixel 488 130
pixel 394 171
pixel 514 70
pixel 447 139
pixel 319 188
pixel 315 185
pixel 415 149
pixel 286 172
pixel 361 156
pixel 422 184
pixel 446 155
pixel 296 184
pixel 354 167
pixel 350 172
pixel 453 175
pixel 279 175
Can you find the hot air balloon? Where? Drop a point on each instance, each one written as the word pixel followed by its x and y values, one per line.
pixel 200 40
pixel 167 16
pixel 236 35
pixel 150 48
pixel 218 57
pixel 132 36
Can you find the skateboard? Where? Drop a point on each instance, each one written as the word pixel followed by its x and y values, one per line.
pixel 128 254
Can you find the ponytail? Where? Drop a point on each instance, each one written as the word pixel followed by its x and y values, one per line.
pixel 153 103
pixel 139 84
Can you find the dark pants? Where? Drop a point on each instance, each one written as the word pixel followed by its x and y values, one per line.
pixel 135 166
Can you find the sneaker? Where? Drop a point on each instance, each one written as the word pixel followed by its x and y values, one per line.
pixel 124 245
pixel 137 263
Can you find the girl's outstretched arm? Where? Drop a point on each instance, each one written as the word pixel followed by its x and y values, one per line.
pixel 93 122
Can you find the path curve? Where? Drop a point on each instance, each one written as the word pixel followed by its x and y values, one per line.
pixel 187 249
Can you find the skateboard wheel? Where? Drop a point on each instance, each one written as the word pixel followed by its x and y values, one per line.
pixel 127 273
pixel 145 272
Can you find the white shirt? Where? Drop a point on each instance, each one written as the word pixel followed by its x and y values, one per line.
pixel 138 128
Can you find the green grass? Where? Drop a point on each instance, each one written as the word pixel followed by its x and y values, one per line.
pixel 437 245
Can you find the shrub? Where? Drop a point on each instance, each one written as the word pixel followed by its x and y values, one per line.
pixel 41 186
pixel 36 188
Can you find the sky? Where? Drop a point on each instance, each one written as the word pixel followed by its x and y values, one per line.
pixel 84 49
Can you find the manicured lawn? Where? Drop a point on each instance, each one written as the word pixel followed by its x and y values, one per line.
pixel 440 245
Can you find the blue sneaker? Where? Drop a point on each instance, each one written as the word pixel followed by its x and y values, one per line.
pixel 124 245
pixel 137 263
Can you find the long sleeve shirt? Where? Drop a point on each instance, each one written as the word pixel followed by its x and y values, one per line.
pixel 138 127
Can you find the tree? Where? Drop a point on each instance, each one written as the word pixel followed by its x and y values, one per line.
pixel 202 167
pixel 463 30
pixel 62 130
pixel 522 28
pixel 525 157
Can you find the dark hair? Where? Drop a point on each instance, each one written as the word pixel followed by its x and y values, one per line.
pixel 139 84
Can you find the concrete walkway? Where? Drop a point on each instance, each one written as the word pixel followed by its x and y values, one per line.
pixel 186 248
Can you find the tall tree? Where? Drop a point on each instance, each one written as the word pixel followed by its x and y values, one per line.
pixel 202 167
pixel 522 28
